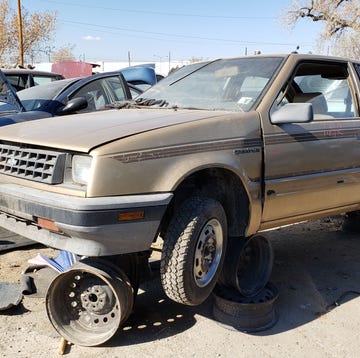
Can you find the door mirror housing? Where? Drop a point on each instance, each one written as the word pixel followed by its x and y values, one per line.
pixel 74 105
pixel 293 113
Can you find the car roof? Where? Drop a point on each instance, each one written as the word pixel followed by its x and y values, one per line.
pixel 19 71
pixel 62 84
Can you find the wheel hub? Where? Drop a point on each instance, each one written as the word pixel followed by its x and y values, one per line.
pixel 97 299
pixel 208 252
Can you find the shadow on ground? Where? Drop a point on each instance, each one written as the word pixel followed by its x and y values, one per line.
pixel 315 268
pixel 10 241
pixel 315 271
pixel 156 317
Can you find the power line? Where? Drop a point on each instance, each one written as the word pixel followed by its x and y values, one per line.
pixel 163 13
pixel 97 26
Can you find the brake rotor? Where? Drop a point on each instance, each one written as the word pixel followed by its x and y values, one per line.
pixel 88 303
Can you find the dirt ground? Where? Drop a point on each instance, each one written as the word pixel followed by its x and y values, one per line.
pixel 316 265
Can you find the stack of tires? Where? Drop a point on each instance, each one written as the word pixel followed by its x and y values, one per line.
pixel 244 297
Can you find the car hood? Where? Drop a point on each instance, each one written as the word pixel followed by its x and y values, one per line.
pixel 8 94
pixel 84 132
pixel 12 118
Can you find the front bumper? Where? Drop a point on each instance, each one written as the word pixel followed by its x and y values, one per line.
pixel 90 226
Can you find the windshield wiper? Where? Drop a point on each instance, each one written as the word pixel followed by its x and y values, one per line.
pixel 120 105
pixel 137 103
pixel 148 102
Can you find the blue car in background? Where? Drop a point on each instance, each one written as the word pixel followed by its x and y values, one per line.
pixel 141 76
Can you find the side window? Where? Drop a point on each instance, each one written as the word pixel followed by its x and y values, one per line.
pixel 325 86
pixel 116 87
pixel 95 95
pixel 17 81
pixel 134 93
pixel 40 80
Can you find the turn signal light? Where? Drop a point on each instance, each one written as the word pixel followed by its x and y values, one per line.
pixel 48 224
pixel 131 215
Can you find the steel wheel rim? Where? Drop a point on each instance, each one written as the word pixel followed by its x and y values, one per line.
pixel 208 252
pixel 86 305
pixel 254 266
pixel 96 300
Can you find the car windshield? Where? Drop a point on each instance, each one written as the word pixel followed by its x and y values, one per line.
pixel 38 97
pixel 230 84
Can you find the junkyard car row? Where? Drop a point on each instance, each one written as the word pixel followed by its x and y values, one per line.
pixel 218 151
pixel 69 96
pixel 21 78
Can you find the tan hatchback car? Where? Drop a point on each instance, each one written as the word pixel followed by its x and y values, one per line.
pixel 218 150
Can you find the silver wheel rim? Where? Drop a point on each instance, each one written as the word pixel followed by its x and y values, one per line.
pixel 208 252
pixel 86 305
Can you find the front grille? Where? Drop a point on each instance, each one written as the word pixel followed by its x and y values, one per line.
pixel 33 164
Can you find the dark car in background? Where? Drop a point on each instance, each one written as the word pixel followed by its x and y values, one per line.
pixel 68 96
pixel 21 78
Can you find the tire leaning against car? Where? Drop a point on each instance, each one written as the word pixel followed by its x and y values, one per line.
pixel 193 250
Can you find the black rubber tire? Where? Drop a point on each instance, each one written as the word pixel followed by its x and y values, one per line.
pixel 188 276
pixel 245 314
pixel 130 265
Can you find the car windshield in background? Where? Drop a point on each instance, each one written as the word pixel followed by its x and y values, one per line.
pixel 231 84
pixel 38 97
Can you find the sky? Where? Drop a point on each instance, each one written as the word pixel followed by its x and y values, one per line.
pixel 153 30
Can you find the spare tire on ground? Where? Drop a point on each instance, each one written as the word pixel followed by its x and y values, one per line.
pixel 236 312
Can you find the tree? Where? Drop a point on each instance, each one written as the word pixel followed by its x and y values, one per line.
pixel 5 38
pixel 173 69
pixel 38 29
pixel 196 59
pixel 341 20
pixel 63 54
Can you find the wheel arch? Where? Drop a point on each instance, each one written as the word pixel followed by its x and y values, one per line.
pixel 222 185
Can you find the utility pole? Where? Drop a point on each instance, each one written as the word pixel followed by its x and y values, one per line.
pixel 169 62
pixel 21 43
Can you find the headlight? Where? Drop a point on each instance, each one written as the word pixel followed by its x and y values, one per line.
pixel 81 166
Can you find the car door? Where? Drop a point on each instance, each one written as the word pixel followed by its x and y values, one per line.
pixel 313 167
pixel 101 91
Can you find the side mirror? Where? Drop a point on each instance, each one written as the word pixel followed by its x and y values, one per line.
pixel 293 113
pixel 74 105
